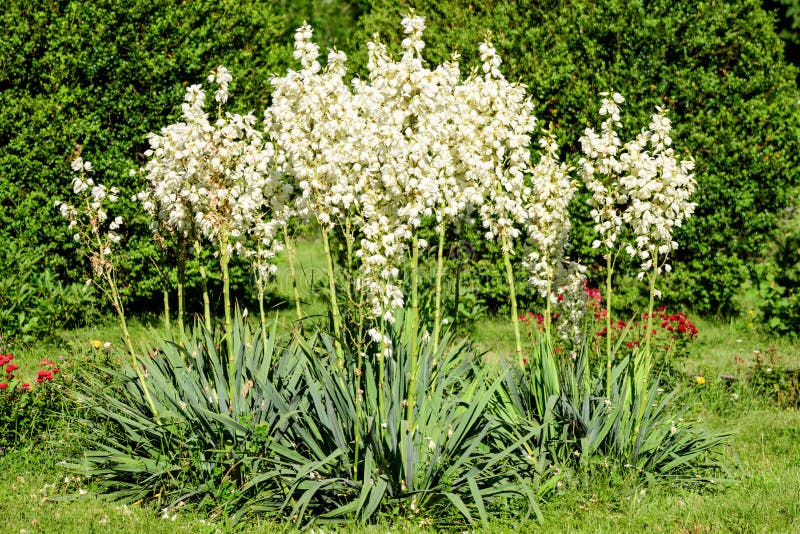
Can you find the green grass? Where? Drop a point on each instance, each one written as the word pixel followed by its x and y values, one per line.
pixel 39 495
pixel 764 498
pixel 764 452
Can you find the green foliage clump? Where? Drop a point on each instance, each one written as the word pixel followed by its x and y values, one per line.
pixel 295 432
pixel 779 286
pixel 718 67
pixel 34 303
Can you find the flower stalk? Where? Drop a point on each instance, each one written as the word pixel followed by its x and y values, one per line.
pixel 437 302
pixel 512 297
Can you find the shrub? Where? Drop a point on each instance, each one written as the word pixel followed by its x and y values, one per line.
pixel 590 424
pixel 361 450
pixel 779 286
pixel 717 65
pixel 284 435
pixel 34 303
pixel 211 442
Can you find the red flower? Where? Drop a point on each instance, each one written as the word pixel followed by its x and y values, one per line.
pixel 44 375
pixel 3 386
pixel 26 386
pixel 10 368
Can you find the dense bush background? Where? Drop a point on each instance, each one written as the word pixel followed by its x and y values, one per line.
pixel 717 65
pixel 93 78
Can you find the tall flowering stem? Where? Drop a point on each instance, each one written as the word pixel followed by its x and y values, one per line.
pixel 609 293
pixel 558 280
pixel 181 275
pixel 210 178
pixel 201 267
pixel 291 254
pixel 437 303
pixel 652 275
pixel 335 313
pixel 512 297
pixel 167 321
pixel 100 235
pixel 640 194
pixel 224 261
pixel 414 325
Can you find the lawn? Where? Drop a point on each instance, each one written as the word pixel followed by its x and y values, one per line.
pixel 763 495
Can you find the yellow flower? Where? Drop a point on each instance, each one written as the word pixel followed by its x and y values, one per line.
pixel 96 343
pixel 700 380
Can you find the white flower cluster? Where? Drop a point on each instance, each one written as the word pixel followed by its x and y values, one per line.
pixel 408 144
pixel 215 178
pixel 640 187
pixel 91 223
pixel 501 123
pixel 547 217
pixel 547 226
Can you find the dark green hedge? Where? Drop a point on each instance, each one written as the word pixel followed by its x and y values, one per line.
pixel 717 65
pixel 94 77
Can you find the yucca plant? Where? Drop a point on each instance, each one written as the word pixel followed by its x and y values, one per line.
pixel 580 426
pixel 358 454
pixel 654 435
pixel 204 446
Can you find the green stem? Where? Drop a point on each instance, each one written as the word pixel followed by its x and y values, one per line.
pixel 337 328
pixel 643 360
pixel 116 300
pixel 167 324
pixel 437 303
pixel 261 315
pixel 383 416
pixel 548 309
pixel 412 386
pixel 512 296
pixel 224 260
pixel 649 334
pixel 349 239
pixel 291 254
pixel 457 298
pixel 204 283
pixel 181 297
pixel 609 352
pixel 358 373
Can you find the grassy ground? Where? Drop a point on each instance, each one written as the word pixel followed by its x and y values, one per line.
pixel 37 494
pixel 764 453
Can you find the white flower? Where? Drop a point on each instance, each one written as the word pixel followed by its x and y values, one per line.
pixel 638 189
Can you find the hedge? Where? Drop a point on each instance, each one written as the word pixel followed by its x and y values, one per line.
pixel 718 66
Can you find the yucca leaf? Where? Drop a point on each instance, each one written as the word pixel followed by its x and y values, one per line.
pixel 477 498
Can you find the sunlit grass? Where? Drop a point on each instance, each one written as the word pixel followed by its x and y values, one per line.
pixel 764 451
